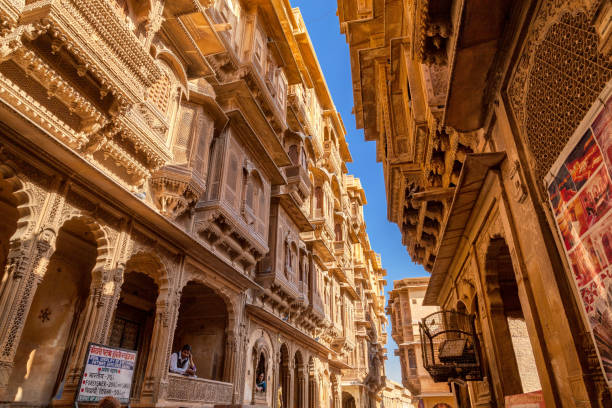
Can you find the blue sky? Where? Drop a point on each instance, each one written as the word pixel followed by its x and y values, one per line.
pixel 333 53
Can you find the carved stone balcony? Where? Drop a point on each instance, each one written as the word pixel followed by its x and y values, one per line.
pixel 101 41
pixel 291 196
pixel 198 391
pixel 300 112
pixel 316 308
pixel 175 189
pixel 412 382
pixel 321 239
pixel 332 162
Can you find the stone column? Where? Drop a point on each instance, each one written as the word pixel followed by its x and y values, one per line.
pixel 335 380
pixel 101 303
pixel 311 392
pixel 303 394
pixel 289 385
pixel 275 367
pixel 25 268
pixel 166 314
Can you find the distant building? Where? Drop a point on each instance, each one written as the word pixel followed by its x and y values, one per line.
pixel 396 396
pixel 406 310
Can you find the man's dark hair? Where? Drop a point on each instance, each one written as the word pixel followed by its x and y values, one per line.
pixel 109 402
pixel 186 347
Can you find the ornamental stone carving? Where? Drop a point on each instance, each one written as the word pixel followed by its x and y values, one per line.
pixel 560 74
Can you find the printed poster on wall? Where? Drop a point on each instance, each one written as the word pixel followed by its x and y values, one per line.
pixel 580 194
pixel 108 372
pixel 529 400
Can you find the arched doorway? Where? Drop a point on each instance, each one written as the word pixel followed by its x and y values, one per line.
pixel 202 323
pixel 53 323
pixel 517 369
pixel 284 376
pixel 260 377
pixel 134 320
pixel 348 401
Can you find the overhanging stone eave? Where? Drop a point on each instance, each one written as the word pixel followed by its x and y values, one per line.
pixel 474 53
pixel 367 58
pixel 471 180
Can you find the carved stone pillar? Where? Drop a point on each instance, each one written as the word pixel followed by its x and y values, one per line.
pixel 111 292
pixel 335 380
pixel 302 387
pixel 231 348
pixel 166 313
pixel 172 317
pixel 25 268
pixel 311 392
pixel 288 385
pixel 101 303
pixel 275 367
pixel 241 362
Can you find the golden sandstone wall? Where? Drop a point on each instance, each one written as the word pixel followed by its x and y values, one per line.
pixel 482 113
pixel 175 172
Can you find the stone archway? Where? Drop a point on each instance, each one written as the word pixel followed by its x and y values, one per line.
pixel 260 361
pixel 202 323
pixel 140 318
pixel 348 401
pixel 53 331
pixel 517 369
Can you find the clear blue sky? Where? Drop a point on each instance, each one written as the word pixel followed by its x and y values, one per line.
pixel 332 50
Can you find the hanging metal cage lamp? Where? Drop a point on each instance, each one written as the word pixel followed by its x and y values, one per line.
pixel 450 346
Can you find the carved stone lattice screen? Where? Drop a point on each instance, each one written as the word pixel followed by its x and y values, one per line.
pixel 558 79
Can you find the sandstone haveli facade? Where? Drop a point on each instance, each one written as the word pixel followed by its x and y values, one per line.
pixel 175 172
pixel 492 120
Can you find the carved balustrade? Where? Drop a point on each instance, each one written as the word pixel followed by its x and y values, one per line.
pixel 198 391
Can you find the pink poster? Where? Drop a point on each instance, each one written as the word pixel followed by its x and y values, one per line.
pixel 581 198
pixel 528 400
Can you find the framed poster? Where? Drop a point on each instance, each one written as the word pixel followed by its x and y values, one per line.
pixel 580 194
pixel 108 371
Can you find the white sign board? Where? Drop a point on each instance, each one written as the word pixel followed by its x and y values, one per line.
pixel 108 372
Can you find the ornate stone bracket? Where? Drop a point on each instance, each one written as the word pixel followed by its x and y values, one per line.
pixel 219 231
pixel 175 189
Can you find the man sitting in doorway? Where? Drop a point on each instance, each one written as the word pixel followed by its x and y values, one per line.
pixel 181 362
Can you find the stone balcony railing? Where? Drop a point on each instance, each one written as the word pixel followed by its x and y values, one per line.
pixel 198 391
pixel 354 374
